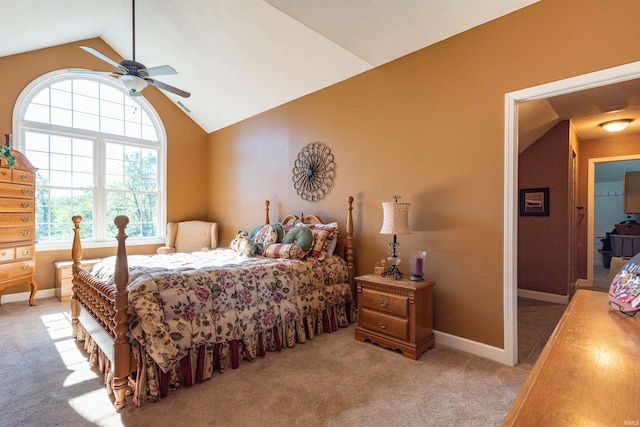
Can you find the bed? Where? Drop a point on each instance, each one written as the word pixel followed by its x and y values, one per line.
pixel 153 323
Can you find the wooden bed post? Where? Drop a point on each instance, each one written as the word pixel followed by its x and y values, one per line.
pixel 121 348
pixel 76 256
pixel 267 221
pixel 348 250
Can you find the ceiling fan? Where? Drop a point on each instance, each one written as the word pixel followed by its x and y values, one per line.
pixel 134 75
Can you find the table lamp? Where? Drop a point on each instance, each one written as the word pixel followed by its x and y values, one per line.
pixel 396 221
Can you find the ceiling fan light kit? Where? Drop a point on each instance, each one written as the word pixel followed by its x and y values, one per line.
pixel 616 125
pixel 133 84
pixel 133 75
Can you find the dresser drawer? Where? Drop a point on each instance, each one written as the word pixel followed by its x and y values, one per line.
pixel 385 324
pixel 25 252
pixel 22 177
pixel 13 219
pixel 16 205
pixel 7 254
pixel 18 268
pixel 15 234
pixel 396 305
pixel 17 191
pixel 5 175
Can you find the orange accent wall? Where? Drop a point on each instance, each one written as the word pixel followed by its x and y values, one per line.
pixel 429 127
pixel 187 161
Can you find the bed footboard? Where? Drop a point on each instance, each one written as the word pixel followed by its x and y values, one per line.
pixel 102 309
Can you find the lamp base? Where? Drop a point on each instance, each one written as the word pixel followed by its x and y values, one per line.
pixel 393 271
pixel 417 278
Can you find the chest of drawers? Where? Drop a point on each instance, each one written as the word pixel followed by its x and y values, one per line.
pixel 17 225
pixel 396 314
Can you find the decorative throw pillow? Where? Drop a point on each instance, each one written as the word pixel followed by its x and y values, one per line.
pixel 321 239
pixel 300 235
pixel 334 240
pixel 283 250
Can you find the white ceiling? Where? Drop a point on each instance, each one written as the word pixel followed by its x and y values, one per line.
pixel 239 58
pixel 586 109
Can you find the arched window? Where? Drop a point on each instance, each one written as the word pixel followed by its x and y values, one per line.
pixel 99 153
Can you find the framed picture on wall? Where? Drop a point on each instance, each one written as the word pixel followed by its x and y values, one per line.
pixel 534 202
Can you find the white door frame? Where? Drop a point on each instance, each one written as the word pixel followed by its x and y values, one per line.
pixel 510 256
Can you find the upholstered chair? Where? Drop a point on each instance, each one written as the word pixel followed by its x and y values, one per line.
pixel 190 236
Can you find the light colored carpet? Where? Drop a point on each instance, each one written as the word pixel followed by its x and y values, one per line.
pixel 333 380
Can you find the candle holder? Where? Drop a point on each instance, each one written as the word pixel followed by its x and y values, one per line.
pixel 418 259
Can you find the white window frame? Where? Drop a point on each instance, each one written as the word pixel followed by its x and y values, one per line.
pixel 20 127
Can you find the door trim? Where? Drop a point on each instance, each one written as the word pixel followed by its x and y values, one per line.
pixel 510 250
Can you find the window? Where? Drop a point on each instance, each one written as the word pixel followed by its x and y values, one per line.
pixel 99 153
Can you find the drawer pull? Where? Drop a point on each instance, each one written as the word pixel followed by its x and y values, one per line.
pixel 26 191
pixel 26 233
pixel 26 252
pixel 25 266
pixel 24 176
pixel 3 253
pixel 26 205
pixel 4 173
pixel 382 324
pixel 25 219
pixel 383 302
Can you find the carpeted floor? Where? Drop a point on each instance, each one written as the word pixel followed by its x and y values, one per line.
pixel 330 381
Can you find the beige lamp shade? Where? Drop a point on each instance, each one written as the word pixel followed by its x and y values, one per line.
pixel 396 218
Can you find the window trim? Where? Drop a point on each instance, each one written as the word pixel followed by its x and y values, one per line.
pixel 20 127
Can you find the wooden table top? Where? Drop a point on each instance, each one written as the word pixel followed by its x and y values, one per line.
pixel 588 374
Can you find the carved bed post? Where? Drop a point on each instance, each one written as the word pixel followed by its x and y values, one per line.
pixel 266 215
pixel 121 349
pixel 348 250
pixel 76 256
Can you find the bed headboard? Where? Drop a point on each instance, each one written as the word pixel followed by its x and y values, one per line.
pixel 345 246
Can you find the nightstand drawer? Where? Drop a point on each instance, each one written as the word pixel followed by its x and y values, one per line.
pixel 396 305
pixel 384 324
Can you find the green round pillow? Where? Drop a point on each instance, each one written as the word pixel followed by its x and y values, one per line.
pixel 302 236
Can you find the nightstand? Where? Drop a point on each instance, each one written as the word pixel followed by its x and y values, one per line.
pixel 396 314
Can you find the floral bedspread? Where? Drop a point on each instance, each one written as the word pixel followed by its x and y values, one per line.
pixel 183 300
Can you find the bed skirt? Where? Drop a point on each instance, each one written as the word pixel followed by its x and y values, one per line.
pixel 150 384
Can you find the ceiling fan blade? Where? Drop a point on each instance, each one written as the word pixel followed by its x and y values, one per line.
pixel 161 70
pixel 85 71
pixel 103 57
pixel 168 88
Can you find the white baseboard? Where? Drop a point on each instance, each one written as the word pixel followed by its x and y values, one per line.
pixel 473 347
pixel 544 296
pixel 24 296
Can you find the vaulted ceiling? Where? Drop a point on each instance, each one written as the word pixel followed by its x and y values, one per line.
pixel 239 58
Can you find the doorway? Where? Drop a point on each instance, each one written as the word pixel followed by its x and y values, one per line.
pixel 570 85
pixel 605 177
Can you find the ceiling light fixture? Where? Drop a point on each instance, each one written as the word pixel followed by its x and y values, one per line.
pixel 133 83
pixel 616 125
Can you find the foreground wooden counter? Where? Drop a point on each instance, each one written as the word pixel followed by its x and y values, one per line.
pixel 588 373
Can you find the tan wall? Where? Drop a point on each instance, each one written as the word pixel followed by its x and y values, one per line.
pixel 543 241
pixel 429 127
pixel 186 152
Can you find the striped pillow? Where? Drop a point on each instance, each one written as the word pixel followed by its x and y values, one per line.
pixel 283 250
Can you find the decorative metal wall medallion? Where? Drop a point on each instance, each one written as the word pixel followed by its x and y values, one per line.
pixel 314 171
